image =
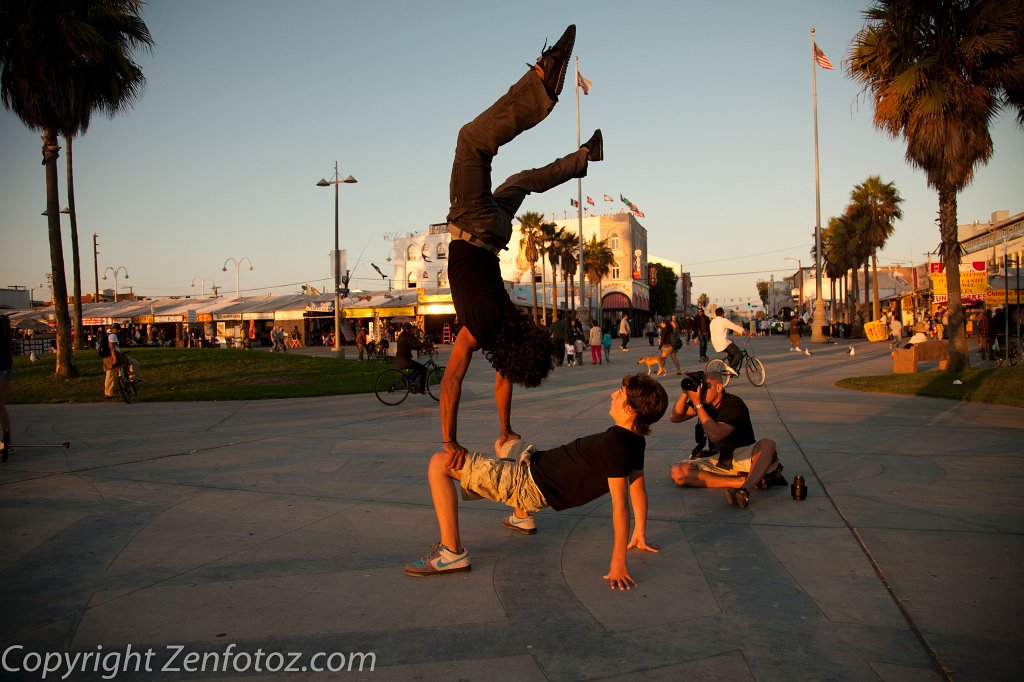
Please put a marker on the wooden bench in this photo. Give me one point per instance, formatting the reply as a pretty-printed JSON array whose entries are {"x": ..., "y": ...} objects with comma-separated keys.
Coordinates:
[{"x": 904, "y": 360}]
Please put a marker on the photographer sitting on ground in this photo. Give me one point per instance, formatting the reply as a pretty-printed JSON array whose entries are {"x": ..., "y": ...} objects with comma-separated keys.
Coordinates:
[{"x": 742, "y": 463}]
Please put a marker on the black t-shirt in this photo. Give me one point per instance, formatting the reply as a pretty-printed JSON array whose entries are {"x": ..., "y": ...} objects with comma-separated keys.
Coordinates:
[
  {"x": 407, "y": 343},
  {"x": 478, "y": 291},
  {"x": 733, "y": 411},
  {"x": 572, "y": 475}
]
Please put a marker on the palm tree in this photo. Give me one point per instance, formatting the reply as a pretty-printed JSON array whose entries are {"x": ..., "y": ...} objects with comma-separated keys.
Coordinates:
[
  {"x": 598, "y": 259},
  {"x": 938, "y": 72},
  {"x": 553, "y": 235},
  {"x": 530, "y": 241},
  {"x": 874, "y": 207},
  {"x": 837, "y": 248},
  {"x": 548, "y": 232},
  {"x": 60, "y": 63},
  {"x": 569, "y": 248}
]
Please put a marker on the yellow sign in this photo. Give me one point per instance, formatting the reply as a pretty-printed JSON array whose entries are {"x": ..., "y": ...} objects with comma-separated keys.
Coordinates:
[
  {"x": 971, "y": 282},
  {"x": 997, "y": 297}
]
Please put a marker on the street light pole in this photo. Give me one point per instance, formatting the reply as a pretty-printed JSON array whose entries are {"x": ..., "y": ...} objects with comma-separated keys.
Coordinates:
[
  {"x": 238, "y": 266},
  {"x": 115, "y": 271},
  {"x": 337, "y": 256}
]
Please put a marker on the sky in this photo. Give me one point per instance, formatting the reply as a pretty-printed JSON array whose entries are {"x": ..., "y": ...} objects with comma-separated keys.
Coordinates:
[{"x": 706, "y": 110}]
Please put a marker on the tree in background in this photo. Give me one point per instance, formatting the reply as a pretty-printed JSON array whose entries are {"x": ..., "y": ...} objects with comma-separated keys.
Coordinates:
[
  {"x": 530, "y": 243},
  {"x": 663, "y": 294},
  {"x": 598, "y": 259},
  {"x": 937, "y": 73},
  {"x": 839, "y": 255},
  {"x": 568, "y": 246},
  {"x": 762, "y": 292},
  {"x": 60, "y": 63},
  {"x": 874, "y": 208},
  {"x": 703, "y": 301}
]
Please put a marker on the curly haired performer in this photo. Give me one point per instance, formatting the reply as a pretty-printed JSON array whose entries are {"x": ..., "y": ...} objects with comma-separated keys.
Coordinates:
[{"x": 480, "y": 223}]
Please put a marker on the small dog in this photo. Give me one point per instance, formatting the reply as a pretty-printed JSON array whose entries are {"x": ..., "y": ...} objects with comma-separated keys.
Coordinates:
[{"x": 653, "y": 361}]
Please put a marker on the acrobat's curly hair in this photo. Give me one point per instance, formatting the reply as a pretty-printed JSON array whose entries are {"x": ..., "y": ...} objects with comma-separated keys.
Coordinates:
[{"x": 522, "y": 351}]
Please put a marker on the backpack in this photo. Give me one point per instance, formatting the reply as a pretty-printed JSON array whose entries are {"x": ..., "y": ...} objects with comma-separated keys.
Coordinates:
[{"x": 104, "y": 347}]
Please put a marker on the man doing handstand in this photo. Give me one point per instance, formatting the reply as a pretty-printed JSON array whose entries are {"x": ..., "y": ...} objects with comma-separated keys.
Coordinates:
[
  {"x": 480, "y": 222},
  {"x": 561, "y": 478}
]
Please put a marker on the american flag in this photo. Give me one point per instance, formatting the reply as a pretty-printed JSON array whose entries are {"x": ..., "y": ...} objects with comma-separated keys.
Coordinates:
[
  {"x": 583, "y": 83},
  {"x": 822, "y": 60}
]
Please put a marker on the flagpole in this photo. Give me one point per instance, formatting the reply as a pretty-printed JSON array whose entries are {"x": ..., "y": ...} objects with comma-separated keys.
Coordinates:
[
  {"x": 579, "y": 181},
  {"x": 818, "y": 320}
]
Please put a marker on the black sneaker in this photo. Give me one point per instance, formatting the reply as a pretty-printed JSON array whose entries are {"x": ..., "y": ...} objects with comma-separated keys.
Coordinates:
[
  {"x": 555, "y": 60},
  {"x": 595, "y": 146},
  {"x": 772, "y": 478}
]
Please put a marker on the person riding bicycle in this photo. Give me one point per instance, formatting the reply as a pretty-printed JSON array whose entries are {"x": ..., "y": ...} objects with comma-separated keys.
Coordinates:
[
  {"x": 720, "y": 328},
  {"x": 408, "y": 341},
  {"x": 113, "y": 360}
]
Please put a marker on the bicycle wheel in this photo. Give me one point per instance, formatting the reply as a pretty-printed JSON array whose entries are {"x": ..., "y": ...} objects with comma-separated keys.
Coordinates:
[
  {"x": 718, "y": 365},
  {"x": 755, "y": 371},
  {"x": 125, "y": 386},
  {"x": 391, "y": 387},
  {"x": 1013, "y": 351},
  {"x": 434, "y": 382}
]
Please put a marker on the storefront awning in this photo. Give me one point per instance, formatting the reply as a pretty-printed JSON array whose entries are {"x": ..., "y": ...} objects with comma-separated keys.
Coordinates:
[{"x": 615, "y": 301}]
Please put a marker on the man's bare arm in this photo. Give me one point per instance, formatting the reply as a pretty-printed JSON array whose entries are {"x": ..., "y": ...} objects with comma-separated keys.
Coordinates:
[
  {"x": 618, "y": 575},
  {"x": 451, "y": 392},
  {"x": 638, "y": 498},
  {"x": 503, "y": 399}
]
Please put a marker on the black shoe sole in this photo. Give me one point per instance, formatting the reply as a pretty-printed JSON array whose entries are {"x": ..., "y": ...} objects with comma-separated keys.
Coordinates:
[
  {"x": 595, "y": 146},
  {"x": 555, "y": 62}
]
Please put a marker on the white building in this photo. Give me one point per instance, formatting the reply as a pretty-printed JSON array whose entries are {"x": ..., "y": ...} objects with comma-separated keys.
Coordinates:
[{"x": 420, "y": 262}]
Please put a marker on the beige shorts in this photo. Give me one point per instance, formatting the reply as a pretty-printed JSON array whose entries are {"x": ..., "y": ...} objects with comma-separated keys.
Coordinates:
[
  {"x": 506, "y": 479},
  {"x": 740, "y": 463}
]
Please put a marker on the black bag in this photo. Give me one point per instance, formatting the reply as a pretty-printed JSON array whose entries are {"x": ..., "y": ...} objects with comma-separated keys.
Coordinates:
[
  {"x": 677, "y": 342},
  {"x": 104, "y": 349}
]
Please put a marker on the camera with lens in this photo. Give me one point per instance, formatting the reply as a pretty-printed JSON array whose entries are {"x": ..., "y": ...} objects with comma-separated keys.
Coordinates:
[{"x": 692, "y": 381}]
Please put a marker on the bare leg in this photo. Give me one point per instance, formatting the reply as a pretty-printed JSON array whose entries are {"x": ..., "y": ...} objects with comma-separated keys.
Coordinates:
[
  {"x": 762, "y": 455},
  {"x": 446, "y": 500}
]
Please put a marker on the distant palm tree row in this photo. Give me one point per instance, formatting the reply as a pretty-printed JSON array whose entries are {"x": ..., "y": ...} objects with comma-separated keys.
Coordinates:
[
  {"x": 854, "y": 238},
  {"x": 541, "y": 241},
  {"x": 61, "y": 62}
]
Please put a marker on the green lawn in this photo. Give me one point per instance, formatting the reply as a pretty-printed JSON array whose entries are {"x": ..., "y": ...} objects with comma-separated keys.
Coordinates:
[
  {"x": 197, "y": 374},
  {"x": 1001, "y": 386}
]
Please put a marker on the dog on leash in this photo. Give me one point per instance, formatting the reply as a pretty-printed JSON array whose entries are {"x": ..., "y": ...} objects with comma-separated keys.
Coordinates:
[{"x": 653, "y": 361}]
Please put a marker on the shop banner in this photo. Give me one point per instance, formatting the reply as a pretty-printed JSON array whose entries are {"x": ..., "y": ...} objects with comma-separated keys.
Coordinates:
[{"x": 973, "y": 281}]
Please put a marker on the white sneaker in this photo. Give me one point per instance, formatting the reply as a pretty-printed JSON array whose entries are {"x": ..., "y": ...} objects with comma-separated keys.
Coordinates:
[
  {"x": 731, "y": 371},
  {"x": 798, "y": 349},
  {"x": 439, "y": 560},
  {"x": 527, "y": 525}
]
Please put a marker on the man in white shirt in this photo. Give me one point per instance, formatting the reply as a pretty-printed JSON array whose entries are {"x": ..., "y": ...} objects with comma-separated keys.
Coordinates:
[{"x": 720, "y": 341}]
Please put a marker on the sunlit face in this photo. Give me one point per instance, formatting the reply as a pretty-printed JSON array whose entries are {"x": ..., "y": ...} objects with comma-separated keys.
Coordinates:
[
  {"x": 714, "y": 390},
  {"x": 619, "y": 409}
]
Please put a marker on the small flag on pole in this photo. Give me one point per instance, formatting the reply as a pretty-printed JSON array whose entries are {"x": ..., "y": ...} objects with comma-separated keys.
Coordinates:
[
  {"x": 583, "y": 83},
  {"x": 590, "y": 201},
  {"x": 574, "y": 203},
  {"x": 608, "y": 197},
  {"x": 821, "y": 59}
]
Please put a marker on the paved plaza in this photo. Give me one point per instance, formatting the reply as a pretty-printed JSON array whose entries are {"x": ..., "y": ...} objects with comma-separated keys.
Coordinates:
[{"x": 238, "y": 533}]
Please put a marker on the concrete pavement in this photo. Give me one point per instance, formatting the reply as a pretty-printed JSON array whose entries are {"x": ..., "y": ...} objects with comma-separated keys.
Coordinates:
[{"x": 245, "y": 532}]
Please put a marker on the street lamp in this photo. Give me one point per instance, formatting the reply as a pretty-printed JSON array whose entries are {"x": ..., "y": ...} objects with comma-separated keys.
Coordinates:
[
  {"x": 115, "y": 271},
  {"x": 799, "y": 265},
  {"x": 238, "y": 266},
  {"x": 337, "y": 256},
  {"x": 202, "y": 283}
]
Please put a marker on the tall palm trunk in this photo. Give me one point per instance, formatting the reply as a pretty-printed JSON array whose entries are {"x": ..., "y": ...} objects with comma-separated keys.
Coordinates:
[
  {"x": 554, "y": 291},
  {"x": 959, "y": 358},
  {"x": 543, "y": 293},
  {"x": 79, "y": 336},
  {"x": 867, "y": 289},
  {"x": 874, "y": 286},
  {"x": 533, "y": 283},
  {"x": 65, "y": 359},
  {"x": 855, "y": 299}
]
